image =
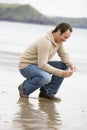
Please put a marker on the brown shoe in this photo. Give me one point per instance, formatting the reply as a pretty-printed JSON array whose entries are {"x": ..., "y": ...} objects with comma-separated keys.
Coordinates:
[
  {"x": 43, "y": 95},
  {"x": 21, "y": 91}
]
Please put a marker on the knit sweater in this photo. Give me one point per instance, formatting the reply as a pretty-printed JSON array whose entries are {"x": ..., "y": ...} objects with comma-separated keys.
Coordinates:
[{"x": 42, "y": 51}]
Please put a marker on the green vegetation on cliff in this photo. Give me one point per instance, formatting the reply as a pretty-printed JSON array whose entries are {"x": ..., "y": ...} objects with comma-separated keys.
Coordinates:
[
  {"x": 22, "y": 13},
  {"x": 28, "y": 14}
]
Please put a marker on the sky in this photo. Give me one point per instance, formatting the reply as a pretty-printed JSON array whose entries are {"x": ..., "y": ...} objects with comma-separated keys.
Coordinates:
[{"x": 64, "y": 8}]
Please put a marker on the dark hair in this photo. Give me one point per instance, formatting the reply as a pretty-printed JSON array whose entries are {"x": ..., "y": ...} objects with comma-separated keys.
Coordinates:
[{"x": 63, "y": 27}]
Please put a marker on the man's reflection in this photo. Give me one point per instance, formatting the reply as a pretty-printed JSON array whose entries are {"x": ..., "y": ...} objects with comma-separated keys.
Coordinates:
[
  {"x": 42, "y": 117},
  {"x": 53, "y": 117}
]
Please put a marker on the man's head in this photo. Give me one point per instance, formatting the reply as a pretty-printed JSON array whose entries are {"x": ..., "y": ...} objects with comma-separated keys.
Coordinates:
[
  {"x": 62, "y": 32},
  {"x": 62, "y": 27}
]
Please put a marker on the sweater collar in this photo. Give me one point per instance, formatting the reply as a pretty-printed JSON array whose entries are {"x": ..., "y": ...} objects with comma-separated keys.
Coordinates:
[{"x": 50, "y": 37}]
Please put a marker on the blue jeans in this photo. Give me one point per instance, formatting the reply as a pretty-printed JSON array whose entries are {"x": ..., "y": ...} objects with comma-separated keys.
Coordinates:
[{"x": 37, "y": 78}]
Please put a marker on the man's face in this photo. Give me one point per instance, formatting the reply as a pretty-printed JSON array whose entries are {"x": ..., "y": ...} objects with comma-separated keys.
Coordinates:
[{"x": 62, "y": 37}]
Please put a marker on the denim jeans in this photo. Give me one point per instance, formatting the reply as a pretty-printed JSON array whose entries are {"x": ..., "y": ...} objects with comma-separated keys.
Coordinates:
[{"x": 37, "y": 78}]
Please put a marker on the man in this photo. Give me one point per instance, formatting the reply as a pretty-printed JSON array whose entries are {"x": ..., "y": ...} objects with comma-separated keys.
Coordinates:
[{"x": 39, "y": 71}]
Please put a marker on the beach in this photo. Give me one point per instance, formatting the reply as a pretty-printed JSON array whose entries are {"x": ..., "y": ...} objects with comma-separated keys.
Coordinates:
[{"x": 35, "y": 113}]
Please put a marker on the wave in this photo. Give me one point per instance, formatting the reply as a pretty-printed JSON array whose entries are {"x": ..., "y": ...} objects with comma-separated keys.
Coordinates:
[{"x": 9, "y": 59}]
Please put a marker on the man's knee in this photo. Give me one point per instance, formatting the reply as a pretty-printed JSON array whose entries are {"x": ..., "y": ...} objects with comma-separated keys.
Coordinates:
[{"x": 45, "y": 79}]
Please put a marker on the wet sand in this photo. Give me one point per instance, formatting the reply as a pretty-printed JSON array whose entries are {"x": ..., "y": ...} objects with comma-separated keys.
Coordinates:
[
  {"x": 40, "y": 114},
  {"x": 35, "y": 113}
]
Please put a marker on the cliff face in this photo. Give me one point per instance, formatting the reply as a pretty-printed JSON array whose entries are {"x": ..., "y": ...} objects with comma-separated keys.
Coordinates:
[
  {"x": 22, "y": 13},
  {"x": 27, "y": 14},
  {"x": 75, "y": 22}
]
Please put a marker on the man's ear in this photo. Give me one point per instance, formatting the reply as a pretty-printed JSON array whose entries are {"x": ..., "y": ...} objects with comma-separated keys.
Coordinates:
[{"x": 59, "y": 31}]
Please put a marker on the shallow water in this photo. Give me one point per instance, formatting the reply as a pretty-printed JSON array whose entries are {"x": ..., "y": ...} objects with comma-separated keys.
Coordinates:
[
  {"x": 35, "y": 113},
  {"x": 42, "y": 114}
]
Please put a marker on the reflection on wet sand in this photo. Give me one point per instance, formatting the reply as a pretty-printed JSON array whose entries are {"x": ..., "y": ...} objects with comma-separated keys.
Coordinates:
[{"x": 44, "y": 117}]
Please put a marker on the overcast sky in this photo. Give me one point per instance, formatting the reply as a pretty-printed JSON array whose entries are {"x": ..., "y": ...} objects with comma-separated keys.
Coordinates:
[{"x": 65, "y": 8}]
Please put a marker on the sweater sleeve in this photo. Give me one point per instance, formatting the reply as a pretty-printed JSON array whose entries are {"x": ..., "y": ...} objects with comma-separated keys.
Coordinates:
[
  {"x": 43, "y": 51},
  {"x": 64, "y": 56}
]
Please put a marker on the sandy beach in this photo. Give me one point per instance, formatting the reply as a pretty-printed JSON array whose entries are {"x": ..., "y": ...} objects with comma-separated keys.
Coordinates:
[
  {"x": 35, "y": 113},
  {"x": 40, "y": 114}
]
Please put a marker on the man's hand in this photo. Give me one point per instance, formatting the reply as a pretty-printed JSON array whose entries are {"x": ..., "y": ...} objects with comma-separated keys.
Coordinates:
[
  {"x": 73, "y": 68},
  {"x": 68, "y": 73}
]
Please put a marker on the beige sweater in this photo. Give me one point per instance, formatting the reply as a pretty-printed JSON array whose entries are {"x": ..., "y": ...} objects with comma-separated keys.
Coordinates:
[{"x": 42, "y": 51}]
